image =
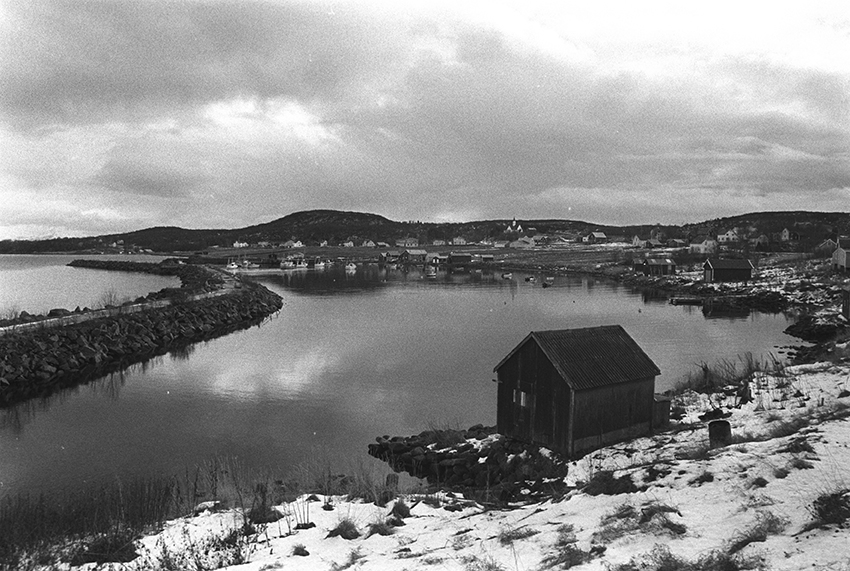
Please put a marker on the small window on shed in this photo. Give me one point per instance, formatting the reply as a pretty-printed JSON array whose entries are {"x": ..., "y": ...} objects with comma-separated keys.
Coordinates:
[{"x": 521, "y": 398}]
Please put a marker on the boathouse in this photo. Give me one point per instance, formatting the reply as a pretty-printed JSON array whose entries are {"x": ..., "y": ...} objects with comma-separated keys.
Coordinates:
[
  {"x": 658, "y": 267},
  {"x": 734, "y": 270},
  {"x": 575, "y": 390}
]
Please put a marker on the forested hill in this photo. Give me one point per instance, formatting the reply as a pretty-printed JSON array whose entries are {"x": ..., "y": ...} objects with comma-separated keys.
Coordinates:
[{"x": 335, "y": 226}]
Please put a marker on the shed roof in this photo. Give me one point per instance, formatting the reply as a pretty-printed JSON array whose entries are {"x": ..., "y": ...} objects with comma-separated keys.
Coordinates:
[
  {"x": 729, "y": 264},
  {"x": 592, "y": 357},
  {"x": 659, "y": 262}
]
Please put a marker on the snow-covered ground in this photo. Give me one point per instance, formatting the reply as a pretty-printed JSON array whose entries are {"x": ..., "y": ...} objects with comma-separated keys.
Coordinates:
[{"x": 753, "y": 497}]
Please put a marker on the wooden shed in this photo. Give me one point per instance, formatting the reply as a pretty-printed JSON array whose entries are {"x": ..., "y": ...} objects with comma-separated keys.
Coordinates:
[
  {"x": 575, "y": 390},
  {"x": 734, "y": 270},
  {"x": 658, "y": 267}
]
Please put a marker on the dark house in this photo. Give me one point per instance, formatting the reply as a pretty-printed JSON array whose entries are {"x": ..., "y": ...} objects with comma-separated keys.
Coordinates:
[
  {"x": 460, "y": 258},
  {"x": 658, "y": 267},
  {"x": 735, "y": 270},
  {"x": 413, "y": 257},
  {"x": 575, "y": 390}
]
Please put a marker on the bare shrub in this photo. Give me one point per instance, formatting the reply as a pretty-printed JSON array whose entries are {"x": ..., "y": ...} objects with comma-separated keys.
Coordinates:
[
  {"x": 767, "y": 523},
  {"x": 346, "y": 529},
  {"x": 651, "y": 518},
  {"x": 508, "y": 536},
  {"x": 661, "y": 559},
  {"x": 830, "y": 508},
  {"x": 565, "y": 552}
]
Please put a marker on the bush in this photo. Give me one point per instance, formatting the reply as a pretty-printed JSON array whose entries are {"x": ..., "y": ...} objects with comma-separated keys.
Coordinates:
[
  {"x": 831, "y": 508},
  {"x": 604, "y": 482},
  {"x": 704, "y": 477},
  {"x": 346, "y": 529}
]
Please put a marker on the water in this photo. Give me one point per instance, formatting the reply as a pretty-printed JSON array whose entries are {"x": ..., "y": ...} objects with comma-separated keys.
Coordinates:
[
  {"x": 351, "y": 356},
  {"x": 38, "y": 284}
]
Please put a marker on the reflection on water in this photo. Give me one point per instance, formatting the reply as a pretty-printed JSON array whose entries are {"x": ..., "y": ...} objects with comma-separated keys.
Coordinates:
[{"x": 351, "y": 356}]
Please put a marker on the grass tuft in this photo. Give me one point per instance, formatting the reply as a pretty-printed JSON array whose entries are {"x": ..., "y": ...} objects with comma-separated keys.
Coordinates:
[
  {"x": 346, "y": 529},
  {"x": 508, "y": 536},
  {"x": 767, "y": 523}
]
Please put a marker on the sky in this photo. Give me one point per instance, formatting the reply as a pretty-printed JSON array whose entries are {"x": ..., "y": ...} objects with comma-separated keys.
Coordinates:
[{"x": 122, "y": 115}]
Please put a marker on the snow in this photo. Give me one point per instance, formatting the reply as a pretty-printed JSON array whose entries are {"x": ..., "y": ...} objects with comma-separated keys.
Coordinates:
[{"x": 717, "y": 494}]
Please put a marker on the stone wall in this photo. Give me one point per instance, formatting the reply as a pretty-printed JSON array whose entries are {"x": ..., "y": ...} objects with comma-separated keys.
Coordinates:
[{"x": 39, "y": 361}]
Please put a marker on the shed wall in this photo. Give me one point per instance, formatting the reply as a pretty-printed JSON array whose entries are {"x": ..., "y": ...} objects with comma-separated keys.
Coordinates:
[
  {"x": 543, "y": 419},
  {"x": 612, "y": 413}
]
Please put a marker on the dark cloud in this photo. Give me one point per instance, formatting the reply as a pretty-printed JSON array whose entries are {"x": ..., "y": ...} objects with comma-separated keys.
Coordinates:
[
  {"x": 86, "y": 61},
  {"x": 246, "y": 109}
]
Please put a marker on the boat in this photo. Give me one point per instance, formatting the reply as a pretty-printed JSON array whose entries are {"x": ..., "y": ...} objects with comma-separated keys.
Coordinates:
[
  {"x": 686, "y": 300},
  {"x": 319, "y": 264},
  {"x": 301, "y": 264},
  {"x": 550, "y": 279},
  {"x": 231, "y": 266},
  {"x": 350, "y": 266},
  {"x": 287, "y": 265},
  {"x": 531, "y": 279},
  {"x": 247, "y": 265},
  {"x": 507, "y": 275},
  {"x": 431, "y": 272}
]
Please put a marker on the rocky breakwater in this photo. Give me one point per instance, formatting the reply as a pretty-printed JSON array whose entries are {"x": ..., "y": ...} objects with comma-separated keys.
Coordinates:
[
  {"x": 39, "y": 361},
  {"x": 476, "y": 458}
]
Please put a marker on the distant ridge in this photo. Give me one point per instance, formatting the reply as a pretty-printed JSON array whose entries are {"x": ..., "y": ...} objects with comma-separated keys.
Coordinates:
[{"x": 337, "y": 226}]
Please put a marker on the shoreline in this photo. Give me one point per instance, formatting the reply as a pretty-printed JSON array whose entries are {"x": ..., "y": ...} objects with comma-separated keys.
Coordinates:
[{"x": 38, "y": 359}]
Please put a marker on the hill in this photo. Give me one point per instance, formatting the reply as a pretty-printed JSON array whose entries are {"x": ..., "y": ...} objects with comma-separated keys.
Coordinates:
[{"x": 335, "y": 226}]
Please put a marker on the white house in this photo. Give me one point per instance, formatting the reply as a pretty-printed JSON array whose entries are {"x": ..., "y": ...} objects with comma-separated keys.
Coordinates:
[
  {"x": 368, "y": 244},
  {"x": 704, "y": 246},
  {"x": 729, "y": 236},
  {"x": 238, "y": 244},
  {"x": 839, "y": 259},
  {"x": 459, "y": 241}
]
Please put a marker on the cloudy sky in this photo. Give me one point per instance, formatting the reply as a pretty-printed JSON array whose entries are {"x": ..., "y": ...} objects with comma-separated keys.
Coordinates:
[{"x": 120, "y": 115}]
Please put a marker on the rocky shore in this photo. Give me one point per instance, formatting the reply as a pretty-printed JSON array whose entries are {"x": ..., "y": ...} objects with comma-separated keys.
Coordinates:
[
  {"x": 39, "y": 361},
  {"x": 477, "y": 458}
]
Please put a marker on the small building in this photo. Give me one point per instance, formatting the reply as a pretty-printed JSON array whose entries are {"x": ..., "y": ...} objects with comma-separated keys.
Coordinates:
[
  {"x": 727, "y": 237},
  {"x": 727, "y": 270},
  {"x": 788, "y": 235},
  {"x": 638, "y": 242},
  {"x": 459, "y": 258},
  {"x": 575, "y": 390},
  {"x": 487, "y": 258},
  {"x": 413, "y": 256},
  {"x": 367, "y": 244},
  {"x": 595, "y": 238},
  {"x": 438, "y": 243},
  {"x": 658, "y": 267},
  {"x": 703, "y": 245},
  {"x": 522, "y": 243},
  {"x": 407, "y": 242},
  {"x": 458, "y": 241},
  {"x": 839, "y": 259},
  {"x": 514, "y": 227},
  {"x": 827, "y": 247},
  {"x": 389, "y": 257}
]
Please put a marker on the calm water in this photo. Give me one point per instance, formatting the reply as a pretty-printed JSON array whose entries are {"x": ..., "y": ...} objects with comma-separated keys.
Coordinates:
[
  {"x": 349, "y": 357},
  {"x": 38, "y": 284}
]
